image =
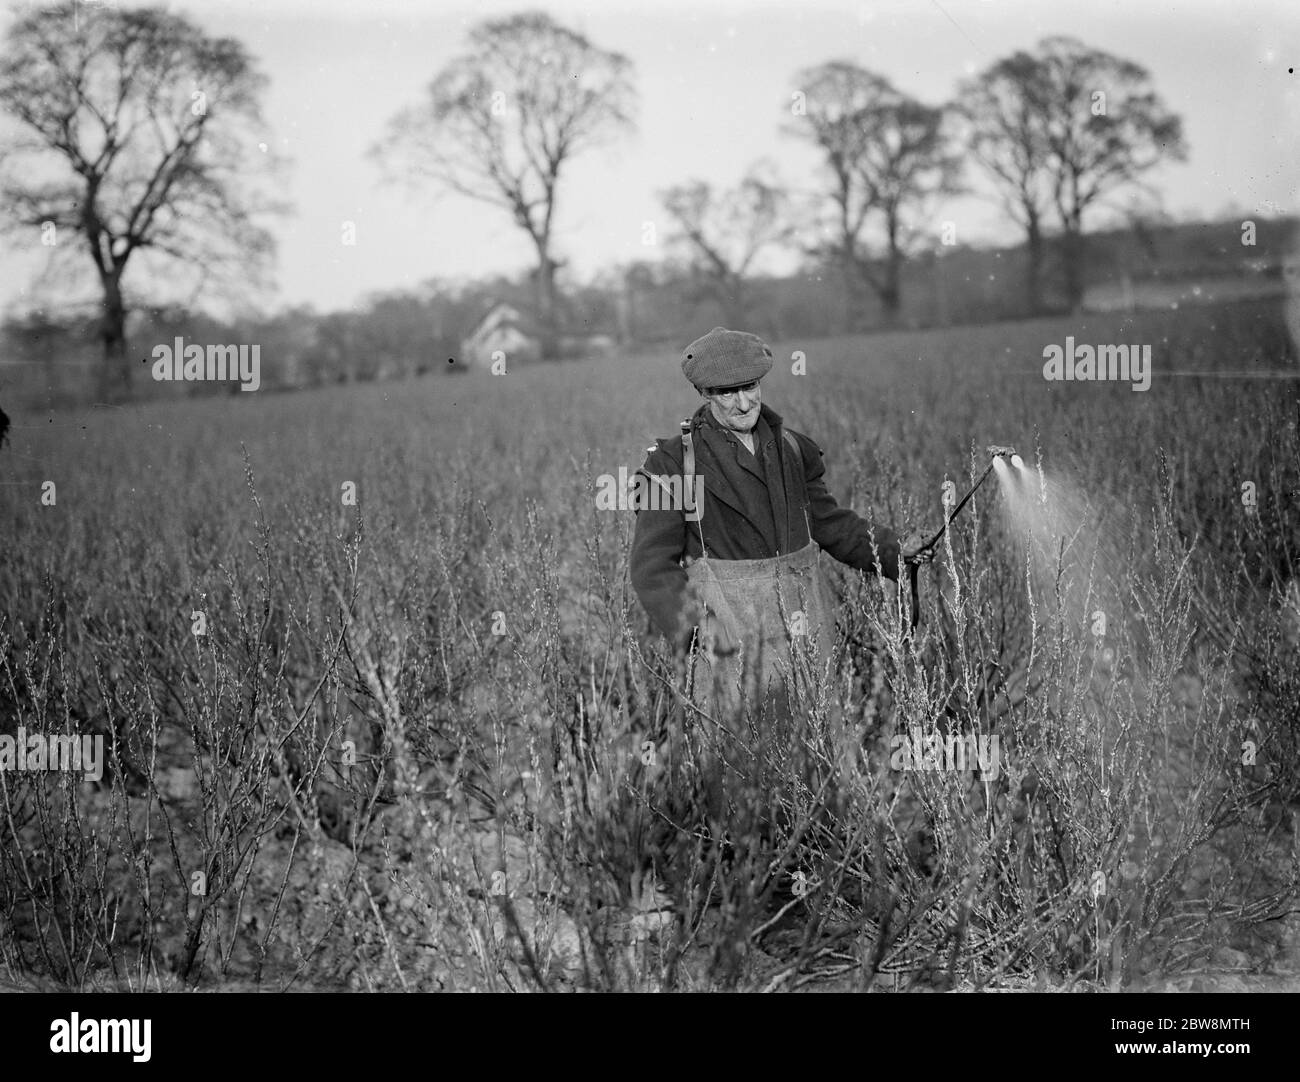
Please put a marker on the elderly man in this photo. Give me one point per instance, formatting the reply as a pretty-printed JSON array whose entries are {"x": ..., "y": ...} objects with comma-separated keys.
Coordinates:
[{"x": 738, "y": 573}]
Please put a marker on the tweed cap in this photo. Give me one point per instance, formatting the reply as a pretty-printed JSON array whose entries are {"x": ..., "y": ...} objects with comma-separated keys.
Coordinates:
[{"x": 724, "y": 358}]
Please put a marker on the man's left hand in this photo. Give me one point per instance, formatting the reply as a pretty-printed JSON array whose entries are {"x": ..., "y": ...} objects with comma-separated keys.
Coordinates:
[{"x": 910, "y": 548}]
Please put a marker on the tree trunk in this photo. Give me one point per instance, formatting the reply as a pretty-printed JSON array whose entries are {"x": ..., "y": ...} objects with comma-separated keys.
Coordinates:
[
  {"x": 1072, "y": 250},
  {"x": 859, "y": 282},
  {"x": 1034, "y": 271},
  {"x": 735, "y": 303},
  {"x": 544, "y": 292},
  {"x": 852, "y": 283},
  {"x": 115, "y": 372},
  {"x": 891, "y": 289},
  {"x": 854, "y": 275},
  {"x": 941, "y": 315}
]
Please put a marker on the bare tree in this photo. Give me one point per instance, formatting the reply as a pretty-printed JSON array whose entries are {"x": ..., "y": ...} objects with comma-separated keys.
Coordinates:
[
  {"x": 725, "y": 232},
  {"x": 906, "y": 164},
  {"x": 829, "y": 101},
  {"x": 502, "y": 121},
  {"x": 886, "y": 154},
  {"x": 1104, "y": 128},
  {"x": 1004, "y": 126},
  {"x": 135, "y": 133}
]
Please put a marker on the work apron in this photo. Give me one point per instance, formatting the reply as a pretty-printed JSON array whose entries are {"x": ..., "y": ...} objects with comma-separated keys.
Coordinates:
[
  {"x": 765, "y": 625},
  {"x": 765, "y": 634}
]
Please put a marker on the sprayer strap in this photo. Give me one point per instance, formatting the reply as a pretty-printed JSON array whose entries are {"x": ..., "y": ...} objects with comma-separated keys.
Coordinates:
[
  {"x": 688, "y": 471},
  {"x": 798, "y": 457},
  {"x": 794, "y": 445}
]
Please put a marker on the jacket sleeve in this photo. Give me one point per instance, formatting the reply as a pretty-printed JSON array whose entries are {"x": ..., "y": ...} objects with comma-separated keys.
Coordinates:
[
  {"x": 658, "y": 545},
  {"x": 846, "y": 535}
]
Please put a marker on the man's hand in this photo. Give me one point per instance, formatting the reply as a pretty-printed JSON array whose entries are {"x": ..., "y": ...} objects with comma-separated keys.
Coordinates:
[{"x": 910, "y": 548}]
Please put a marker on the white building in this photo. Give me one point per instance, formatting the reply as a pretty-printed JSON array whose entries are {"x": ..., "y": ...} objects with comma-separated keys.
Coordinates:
[{"x": 505, "y": 331}]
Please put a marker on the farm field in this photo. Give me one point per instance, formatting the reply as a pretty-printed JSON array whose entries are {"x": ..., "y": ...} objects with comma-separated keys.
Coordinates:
[{"x": 381, "y": 710}]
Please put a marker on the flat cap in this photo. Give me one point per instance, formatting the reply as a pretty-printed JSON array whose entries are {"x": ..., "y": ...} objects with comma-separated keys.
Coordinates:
[{"x": 724, "y": 358}]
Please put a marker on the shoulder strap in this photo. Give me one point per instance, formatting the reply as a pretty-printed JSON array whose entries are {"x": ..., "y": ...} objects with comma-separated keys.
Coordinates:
[
  {"x": 798, "y": 457},
  {"x": 794, "y": 444},
  {"x": 693, "y": 514}
]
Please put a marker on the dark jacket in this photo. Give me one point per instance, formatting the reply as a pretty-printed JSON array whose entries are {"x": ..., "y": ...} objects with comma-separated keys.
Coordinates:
[{"x": 754, "y": 508}]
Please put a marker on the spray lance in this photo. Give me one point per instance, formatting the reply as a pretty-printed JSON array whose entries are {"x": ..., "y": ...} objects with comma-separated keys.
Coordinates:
[{"x": 995, "y": 451}]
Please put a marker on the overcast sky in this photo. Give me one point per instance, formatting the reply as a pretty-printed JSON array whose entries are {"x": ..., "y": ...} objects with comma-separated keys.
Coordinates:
[{"x": 714, "y": 81}]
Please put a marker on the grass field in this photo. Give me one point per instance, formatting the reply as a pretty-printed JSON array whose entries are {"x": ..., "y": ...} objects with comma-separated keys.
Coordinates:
[{"x": 425, "y": 739}]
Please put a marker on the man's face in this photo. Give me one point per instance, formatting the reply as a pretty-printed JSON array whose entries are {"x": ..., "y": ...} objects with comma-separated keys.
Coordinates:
[{"x": 736, "y": 408}]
